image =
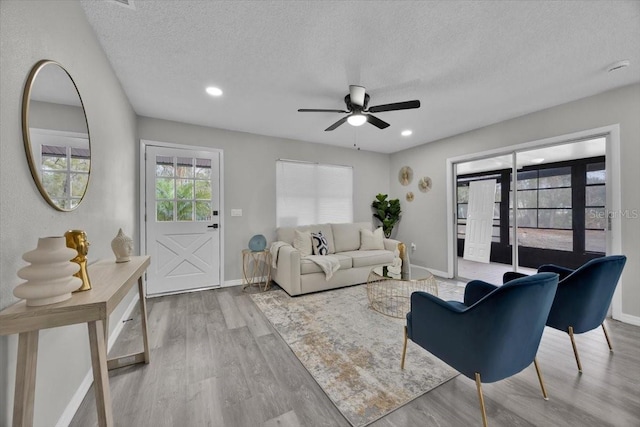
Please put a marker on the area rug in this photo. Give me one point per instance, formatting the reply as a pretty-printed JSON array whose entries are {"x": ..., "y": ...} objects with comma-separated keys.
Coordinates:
[{"x": 352, "y": 351}]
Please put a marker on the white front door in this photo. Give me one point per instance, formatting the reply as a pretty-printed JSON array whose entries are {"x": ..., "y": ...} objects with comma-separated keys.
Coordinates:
[
  {"x": 477, "y": 242},
  {"x": 182, "y": 198}
]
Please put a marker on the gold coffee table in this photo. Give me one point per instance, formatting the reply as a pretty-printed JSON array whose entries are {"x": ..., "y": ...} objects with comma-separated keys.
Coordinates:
[{"x": 390, "y": 293}]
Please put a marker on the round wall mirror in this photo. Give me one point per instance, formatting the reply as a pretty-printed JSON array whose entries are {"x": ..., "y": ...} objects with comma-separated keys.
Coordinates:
[{"x": 56, "y": 135}]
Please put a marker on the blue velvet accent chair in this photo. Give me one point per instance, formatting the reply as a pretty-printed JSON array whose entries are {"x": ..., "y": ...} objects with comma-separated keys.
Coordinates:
[
  {"x": 492, "y": 335},
  {"x": 583, "y": 297}
]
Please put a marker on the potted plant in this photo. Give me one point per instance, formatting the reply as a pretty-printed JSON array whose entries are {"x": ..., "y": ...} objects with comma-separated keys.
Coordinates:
[{"x": 387, "y": 212}]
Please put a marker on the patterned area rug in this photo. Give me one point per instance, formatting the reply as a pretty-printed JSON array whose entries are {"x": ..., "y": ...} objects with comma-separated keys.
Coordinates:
[{"x": 353, "y": 352}]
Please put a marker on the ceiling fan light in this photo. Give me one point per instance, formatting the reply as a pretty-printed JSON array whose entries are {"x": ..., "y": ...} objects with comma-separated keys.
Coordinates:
[
  {"x": 356, "y": 119},
  {"x": 214, "y": 91}
]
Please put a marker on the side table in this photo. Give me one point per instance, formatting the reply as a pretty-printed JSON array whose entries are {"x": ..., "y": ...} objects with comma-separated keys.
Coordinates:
[
  {"x": 256, "y": 269},
  {"x": 390, "y": 293}
]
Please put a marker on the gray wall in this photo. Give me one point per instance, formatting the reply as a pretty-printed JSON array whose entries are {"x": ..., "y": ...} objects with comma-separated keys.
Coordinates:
[
  {"x": 424, "y": 220},
  {"x": 30, "y": 31},
  {"x": 250, "y": 177}
]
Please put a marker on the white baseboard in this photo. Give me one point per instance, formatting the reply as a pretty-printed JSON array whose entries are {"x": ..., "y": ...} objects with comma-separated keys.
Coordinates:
[
  {"x": 630, "y": 319},
  {"x": 78, "y": 396},
  {"x": 438, "y": 273},
  {"x": 235, "y": 282}
]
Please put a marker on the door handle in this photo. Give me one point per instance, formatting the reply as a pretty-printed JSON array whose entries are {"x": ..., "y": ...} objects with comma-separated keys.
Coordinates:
[{"x": 212, "y": 226}]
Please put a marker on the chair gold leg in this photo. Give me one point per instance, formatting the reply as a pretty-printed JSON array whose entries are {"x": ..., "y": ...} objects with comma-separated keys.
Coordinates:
[
  {"x": 606, "y": 335},
  {"x": 404, "y": 348},
  {"x": 544, "y": 390},
  {"x": 484, "y": 413},
  {"x": 575, "y": 349}
]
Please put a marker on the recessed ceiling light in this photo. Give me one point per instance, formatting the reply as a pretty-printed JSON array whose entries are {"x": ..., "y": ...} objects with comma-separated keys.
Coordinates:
[
  {"x": 538, "y": 160},
  {"x": 618, "y": 65},
  {"x": 214, "y": 91},
  {"x": 406, "y": 132}
]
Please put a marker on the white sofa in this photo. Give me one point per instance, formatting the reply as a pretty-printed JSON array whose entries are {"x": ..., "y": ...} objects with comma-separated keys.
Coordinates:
[{"x": 297, "y": 275}]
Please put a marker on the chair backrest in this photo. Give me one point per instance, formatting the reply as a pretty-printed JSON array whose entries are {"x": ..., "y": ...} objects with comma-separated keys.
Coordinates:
[
  {"x": 498, "y": 336},
  {"x": 583, "y": 297}
]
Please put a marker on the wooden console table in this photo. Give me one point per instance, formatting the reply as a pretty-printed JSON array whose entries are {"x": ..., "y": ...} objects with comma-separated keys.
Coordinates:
[{"x": 110, "y": 283}]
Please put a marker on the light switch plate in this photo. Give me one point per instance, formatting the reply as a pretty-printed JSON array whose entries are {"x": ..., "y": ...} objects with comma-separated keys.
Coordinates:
[{"x": 236, "y": 212}]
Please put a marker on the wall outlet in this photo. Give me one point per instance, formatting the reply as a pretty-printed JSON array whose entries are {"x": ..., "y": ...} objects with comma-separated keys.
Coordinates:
[
  {"x": 413, "y": 247},
  {"x": 236, "y": 212}
]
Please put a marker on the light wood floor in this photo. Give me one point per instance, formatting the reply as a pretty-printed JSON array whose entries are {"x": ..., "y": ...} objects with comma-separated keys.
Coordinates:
[{"x": 216, "y": 361}]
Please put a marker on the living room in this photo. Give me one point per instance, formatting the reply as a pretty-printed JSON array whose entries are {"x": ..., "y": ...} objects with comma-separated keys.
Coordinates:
[{"x": 60, "y": 30}]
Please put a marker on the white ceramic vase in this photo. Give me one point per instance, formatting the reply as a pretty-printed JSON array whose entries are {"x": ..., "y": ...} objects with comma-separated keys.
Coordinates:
[
  {"x": 122, "y": 246},
  {"x": 50, "y": 276}
]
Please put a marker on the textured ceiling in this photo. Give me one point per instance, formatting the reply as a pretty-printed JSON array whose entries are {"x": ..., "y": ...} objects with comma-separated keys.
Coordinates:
[{"x": 470, "y": 64}]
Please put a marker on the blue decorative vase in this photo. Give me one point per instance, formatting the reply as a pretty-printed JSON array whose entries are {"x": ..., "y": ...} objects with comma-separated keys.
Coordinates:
[{"x": 258, "y": 243}]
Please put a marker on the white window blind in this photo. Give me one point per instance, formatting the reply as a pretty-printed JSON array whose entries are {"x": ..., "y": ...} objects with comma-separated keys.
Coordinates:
[{"x": 311, "y": 193}]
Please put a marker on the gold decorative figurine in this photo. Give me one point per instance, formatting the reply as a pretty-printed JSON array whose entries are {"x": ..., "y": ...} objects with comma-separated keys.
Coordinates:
[{"x": 77, "y": 239}]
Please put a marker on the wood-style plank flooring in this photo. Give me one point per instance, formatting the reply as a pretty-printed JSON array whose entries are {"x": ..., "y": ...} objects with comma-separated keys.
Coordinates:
[{"x": 216, "y": 361}]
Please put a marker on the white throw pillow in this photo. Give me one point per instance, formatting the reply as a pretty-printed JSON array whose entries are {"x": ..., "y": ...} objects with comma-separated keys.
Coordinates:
[
  {"x": 302, "y": 242},
  {"x": 371, "y": 240}
]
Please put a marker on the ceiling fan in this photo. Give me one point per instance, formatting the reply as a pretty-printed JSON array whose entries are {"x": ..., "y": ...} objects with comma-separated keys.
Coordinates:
[{"x": 358, "y": 104}]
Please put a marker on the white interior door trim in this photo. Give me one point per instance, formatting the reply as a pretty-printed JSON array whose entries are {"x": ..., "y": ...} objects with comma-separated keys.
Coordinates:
[
  {"x": 614, "y": 194},
  {"x": 142, "y": 193}
]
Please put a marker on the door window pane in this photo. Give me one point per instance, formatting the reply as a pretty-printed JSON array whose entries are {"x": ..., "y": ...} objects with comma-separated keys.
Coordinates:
[
  {"x": 184, "y": 189},
  {"x": 203, "y": 169},
  {"x": 203, "y": 211},
  {"x": 184, "y": 167},
  {"x": 185, "y": 211},
  {"x": 164, "y": 166},
  {"x": 203, "y": 190},
  {"x": 164, "y": 188},
  {"x": 164, "y": 210}
]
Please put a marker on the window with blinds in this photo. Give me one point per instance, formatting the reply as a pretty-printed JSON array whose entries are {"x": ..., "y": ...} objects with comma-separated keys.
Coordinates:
[{"x": 311, "y": 193}]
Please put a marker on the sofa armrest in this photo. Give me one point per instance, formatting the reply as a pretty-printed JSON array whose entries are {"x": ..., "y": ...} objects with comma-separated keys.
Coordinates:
[
  {"x": 287, "y": 271},
  {"x": 390, "y": 244}
]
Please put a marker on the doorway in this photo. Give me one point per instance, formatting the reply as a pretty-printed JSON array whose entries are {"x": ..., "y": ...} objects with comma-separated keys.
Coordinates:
[
  {"x": 182, "y": 217},
  {"x": 564, "y": 188}
]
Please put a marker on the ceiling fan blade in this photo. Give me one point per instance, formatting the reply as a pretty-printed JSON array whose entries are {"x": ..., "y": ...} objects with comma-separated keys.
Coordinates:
[
  {"x": 380, "y": 124},
  {"x": 357, "y": 95},
  {"x": 407, "y": 105},
  {"x": 336, "y": 124},
  {"x": 315, "y": 110}
]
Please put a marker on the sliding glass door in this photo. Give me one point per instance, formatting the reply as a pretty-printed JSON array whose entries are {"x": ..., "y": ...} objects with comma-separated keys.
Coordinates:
[{"x": 552, "y": 212}]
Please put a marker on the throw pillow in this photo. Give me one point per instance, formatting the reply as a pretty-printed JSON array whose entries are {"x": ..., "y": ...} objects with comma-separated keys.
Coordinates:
[
  {"x": 320, "y": 245},
  {"x": 371, "y": 240},
  {"x": 302, "y": 242}
]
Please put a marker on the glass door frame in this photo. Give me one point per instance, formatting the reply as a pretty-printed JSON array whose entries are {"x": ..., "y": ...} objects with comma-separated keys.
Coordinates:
[{"x": 613, "y": 202}]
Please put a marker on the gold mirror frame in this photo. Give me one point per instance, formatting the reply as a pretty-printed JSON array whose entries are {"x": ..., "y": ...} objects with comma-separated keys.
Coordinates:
[{"x": 34, "y": 167}]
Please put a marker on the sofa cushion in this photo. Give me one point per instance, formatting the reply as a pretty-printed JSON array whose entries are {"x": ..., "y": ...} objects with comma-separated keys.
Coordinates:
[
  {"x": 369, "y": 258},
  {"x": 371, "y": 240},
  {"x": 346, "y": 237},
  {"x": 287, "y": 234},
  {"x": 302, "y": 242},
  {"x": 308, "y": 266}
]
